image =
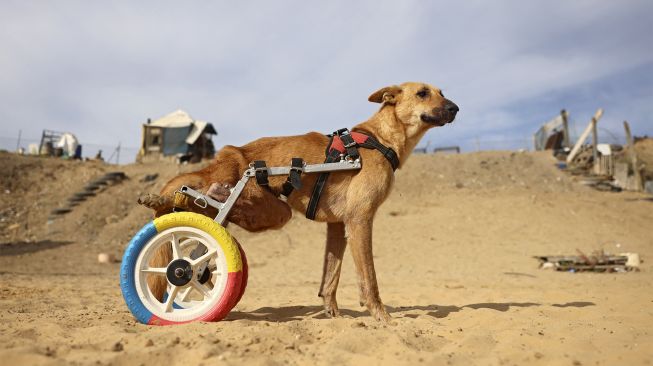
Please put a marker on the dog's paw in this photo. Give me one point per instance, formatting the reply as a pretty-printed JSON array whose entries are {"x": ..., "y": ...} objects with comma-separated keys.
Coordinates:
[
  {"x": 151, "y": 200},
  {"x": 380, "y": 314},
  {"x": 332, "y": 313},
  {"x": 219, "y": 192},
  {"x": 331, "y": 309}
]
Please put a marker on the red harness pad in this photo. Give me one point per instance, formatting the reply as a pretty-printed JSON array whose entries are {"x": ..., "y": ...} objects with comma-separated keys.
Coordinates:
[{"x": 337, "y": 144}]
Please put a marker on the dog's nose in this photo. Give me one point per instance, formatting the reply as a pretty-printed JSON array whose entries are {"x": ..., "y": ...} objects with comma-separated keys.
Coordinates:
[{"x": 451, "y": 107}]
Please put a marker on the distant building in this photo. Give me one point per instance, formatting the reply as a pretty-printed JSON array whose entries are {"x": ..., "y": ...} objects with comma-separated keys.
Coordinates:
[{"x": 177, "y": 136}]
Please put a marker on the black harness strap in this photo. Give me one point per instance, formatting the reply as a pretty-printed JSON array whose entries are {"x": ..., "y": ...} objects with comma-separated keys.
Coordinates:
[
  {"x": 387, "y": 152},
  {"x": 261, "y": 173},
  {"x": 294, "y": 180},
  {"x": 311, "y": 209}
]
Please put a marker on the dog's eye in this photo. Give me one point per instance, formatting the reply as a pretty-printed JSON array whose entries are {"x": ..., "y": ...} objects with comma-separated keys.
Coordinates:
[{"x": 423, "y": 93}]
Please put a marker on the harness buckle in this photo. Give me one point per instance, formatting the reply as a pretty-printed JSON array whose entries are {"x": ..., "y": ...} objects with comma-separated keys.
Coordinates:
[
  {"x": 201, "y": 202},
  {"x": 349, "y": 144}
]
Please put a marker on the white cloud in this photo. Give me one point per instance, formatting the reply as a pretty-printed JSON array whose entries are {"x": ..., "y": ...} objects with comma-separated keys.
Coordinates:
[{"x": 271, "y": 68}]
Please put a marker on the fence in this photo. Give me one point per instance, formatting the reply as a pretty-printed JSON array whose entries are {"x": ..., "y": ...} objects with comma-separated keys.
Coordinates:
[
  {"x": 115, "y": 153},
  {"x": 477, "y": 144}
]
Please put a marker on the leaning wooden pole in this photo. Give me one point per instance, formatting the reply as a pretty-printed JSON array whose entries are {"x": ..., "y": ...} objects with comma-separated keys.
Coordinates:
[
  {"x": 639, "y": 184},
  {"x": 584, "y": 135}
]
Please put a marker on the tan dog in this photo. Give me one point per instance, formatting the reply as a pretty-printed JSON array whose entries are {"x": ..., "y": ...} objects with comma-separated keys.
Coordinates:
[{"x": 348, "y": 202}]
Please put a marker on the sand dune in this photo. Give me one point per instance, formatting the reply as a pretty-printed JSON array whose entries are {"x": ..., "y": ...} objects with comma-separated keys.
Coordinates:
[{"x": 453, "y": 249}]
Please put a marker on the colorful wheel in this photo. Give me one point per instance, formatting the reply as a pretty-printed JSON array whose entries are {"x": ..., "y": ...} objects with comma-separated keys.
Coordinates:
[
  {"x": 204, "y": 277},
  {"x": 243, "y": 282}
]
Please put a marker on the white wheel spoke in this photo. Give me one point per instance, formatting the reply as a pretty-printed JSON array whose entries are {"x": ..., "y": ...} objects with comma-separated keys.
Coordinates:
[
  {"x": 216, "y": 273},
  {"x": 203, "y": 258},
  {"x": 187, "y": 242},
  {"x": 155, "y": 270},
  {"x": 184, "y": 294},
  {"x": 200, "y": 288},
  {"x": 171, "y": 299},
  {"x": 176, "y": 248}
]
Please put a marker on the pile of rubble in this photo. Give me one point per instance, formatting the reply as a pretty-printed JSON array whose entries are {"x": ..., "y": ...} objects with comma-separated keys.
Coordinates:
[{"x": 606, "y": 167}]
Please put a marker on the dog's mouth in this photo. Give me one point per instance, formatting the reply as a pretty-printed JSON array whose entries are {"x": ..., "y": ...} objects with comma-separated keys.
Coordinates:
[{"x": 441, "y": 118}]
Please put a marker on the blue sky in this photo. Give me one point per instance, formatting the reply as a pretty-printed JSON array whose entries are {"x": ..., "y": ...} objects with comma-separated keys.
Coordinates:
[{"x": 100, "y": 69}]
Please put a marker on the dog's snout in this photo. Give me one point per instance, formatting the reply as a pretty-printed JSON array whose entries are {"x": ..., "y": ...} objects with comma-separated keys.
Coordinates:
[{"x": 451, "y": 107}]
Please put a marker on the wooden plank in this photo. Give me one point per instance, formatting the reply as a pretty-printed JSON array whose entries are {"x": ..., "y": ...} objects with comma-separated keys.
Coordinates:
[
  {"x": 639, "y": 184},
  {"x": 584, "y": 135},
  {"x": 595, "y": 151}
]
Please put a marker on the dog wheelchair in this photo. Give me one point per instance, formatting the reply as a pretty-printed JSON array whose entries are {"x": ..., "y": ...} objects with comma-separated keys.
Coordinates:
[{"x": 207, "y": 275}]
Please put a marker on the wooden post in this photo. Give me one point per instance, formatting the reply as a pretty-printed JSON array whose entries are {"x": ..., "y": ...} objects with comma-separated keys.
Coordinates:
[
  {"x": 20, "y": 132},
  {"x": 584, "y": 135},
  {"x": 639, "y": 186},
  {"x": 565, "y": 127},
  {"x": 595, "y": 150}
]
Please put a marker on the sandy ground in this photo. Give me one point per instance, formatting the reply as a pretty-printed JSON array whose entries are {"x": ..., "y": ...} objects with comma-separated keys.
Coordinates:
[{"x": 453, "y": 249}]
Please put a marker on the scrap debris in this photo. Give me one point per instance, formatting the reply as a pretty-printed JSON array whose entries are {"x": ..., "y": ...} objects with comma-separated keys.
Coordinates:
[{"x": 598, "y": 261}]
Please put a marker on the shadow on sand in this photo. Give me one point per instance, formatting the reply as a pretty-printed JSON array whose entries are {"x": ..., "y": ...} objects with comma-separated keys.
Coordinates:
[
  {"x": 299, "y": 312},
  {"x": 18, "y": 248}
]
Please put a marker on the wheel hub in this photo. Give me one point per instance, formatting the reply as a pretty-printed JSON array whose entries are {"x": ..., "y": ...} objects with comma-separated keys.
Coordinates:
[{"x": 179, "y": 272}]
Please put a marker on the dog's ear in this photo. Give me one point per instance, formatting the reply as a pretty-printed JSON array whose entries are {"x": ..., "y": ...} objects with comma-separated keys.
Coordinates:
[{"x": 385, "y": 95}]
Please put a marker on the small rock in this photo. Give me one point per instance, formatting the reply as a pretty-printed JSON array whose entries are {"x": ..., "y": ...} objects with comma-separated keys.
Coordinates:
[
  {"x": 111, "y": 219},
  {"x": 118, "y": 347},
  {"x": 49, "y": 352},
  {"x": 149, "y": 343},
  {"x": 149, "y": 178},
  {"x": 106, "y": 258}
]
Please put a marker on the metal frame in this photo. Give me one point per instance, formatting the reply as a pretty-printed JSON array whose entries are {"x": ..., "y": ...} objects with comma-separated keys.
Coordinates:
[{"x": 225, "y": 207}]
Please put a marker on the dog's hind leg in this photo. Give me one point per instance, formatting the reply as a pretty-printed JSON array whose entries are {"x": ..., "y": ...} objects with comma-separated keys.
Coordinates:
[
  {"x": 258, "y": 209},
  {"x": 335, "y": 249},
  {"x": 161, "y": 258}
]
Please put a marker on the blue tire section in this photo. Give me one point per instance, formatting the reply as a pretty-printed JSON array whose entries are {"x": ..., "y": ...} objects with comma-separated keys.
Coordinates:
[{"x": 128, "y": 270}]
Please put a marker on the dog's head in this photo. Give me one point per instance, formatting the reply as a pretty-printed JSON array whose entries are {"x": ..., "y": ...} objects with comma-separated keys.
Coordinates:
[{"x": 417, "y": 105}]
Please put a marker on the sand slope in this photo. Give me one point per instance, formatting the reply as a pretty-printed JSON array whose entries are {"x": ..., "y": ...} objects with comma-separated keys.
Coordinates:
[{"x": 453, "y": 247}]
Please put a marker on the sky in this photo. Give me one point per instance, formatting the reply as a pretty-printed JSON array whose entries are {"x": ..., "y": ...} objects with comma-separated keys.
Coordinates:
[{"x": 269, "y": 68}]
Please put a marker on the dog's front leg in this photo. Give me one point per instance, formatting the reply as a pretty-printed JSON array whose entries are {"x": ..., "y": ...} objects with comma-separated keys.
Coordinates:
[
  {"x": 335, "y": 249},
  {"x": 359, "y": 237}
]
